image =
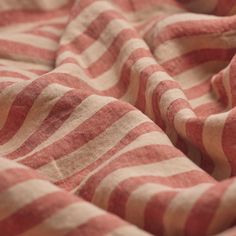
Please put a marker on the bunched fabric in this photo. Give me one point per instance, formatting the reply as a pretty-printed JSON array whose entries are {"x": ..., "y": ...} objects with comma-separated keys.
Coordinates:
[{"x": 117, "y": 117}]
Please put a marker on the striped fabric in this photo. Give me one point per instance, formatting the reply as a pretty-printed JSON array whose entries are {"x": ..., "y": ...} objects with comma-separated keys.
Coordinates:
[{"x": 117, "y": 117}]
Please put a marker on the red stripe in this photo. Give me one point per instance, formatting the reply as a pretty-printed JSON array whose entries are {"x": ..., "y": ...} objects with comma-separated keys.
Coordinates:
[
  {"x": 35, "y": 212},
  {"x": 75, "y": 179},
  {"x": 228, "y": 139},
  {"x": 143, "y": 155},
  {"x": 155, "y": 210},
  {"x": 24, "y": 16},
  {"x": 159, "y": 90},
  {"x": 204, "y": 209},
  {"x": 8, "y": 48},
  {"x": 224, "y": 7},
  {"x": 45, "y": 34},
  {"x": 25, "y": 99},
  {"x": 84, "y": 133},
  {"x": 194, "y": 129},
  {"x": 189, "y": 60},
  {"x": 106, "y": 61},
  {"x": 120, "y": 195},
  {"x": 209, "y": 109},
  {"x": 4, "y": 85},
  {"x": 98, "y": 226},
  {"x": 91, "y": 34},
  {"x": 143, "y": 79},
  {"x": 13, "y": 176},
  {"x": 55, "y": 119},
  {"x": 7, "y": 73},
  {"x": 193, "y": 28},
  {"x": 198, "y": 90}
]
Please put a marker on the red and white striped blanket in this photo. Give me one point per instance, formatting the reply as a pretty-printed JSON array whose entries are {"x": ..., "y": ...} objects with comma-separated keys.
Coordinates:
[{"x": 117, "y": 117}]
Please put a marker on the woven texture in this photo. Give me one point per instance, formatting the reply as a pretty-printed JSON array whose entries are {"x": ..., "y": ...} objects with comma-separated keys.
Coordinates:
[{"x": 117, "y": 117}]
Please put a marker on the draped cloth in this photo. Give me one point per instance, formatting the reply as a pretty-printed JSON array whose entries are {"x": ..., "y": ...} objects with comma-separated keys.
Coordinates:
[{"x": 117, "y": 117}]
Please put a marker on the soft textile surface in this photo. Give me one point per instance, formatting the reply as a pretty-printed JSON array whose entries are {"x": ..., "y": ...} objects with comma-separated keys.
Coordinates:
[{"x": 117, "y": 117}]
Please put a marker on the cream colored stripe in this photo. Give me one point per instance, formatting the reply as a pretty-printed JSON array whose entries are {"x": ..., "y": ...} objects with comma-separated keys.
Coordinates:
[
  {"x": 15, "y": 69},
  {"x": 7, "y": 97},
  {"x": 198, "y": 74},
  {"x": 168, "y": 97},
  {"x": 138, "y": 199},
  {"x": 39, "y": 111},
  {"x": 152, "y": 83},
  {"x": 110, "y": 77},
  {"x": 212, "y": 141},
  {"x": 6, "y": 164},
  {"x": 101, "y": 45},
  {"x": 126, "y": 49},
  {"x": 84, "y": 19},
  {"x": 164, "y": 169},
  {"x": 22, "y": 27},
  {"x": 65, "y": 220},
  {"x": 204, "y": 99},
  {"x": 187, "y": 44},
  {"x": 6, "y": 5},
  {"x": 142, "y": 15},
  {"x": 182, "y": 17},
  {"x": 180, "y": 207},
  {"x": 22, "y": 194},
  {"x": 140, "y": 65},
  {"x": 30, "y": 40},
  {"x": 51, "y": 29},
  {"x": 154, "y": 137},
  {"x": 22, "y": 67},
  {"x": 9, "y": 79},
  {"x": 95, "y": 148},
  {"x": 180, "y": 119},
  {"x": 78, "y": 72},
  {"x": 225, "y": 214},
  {"x": 82, "y": 112}
]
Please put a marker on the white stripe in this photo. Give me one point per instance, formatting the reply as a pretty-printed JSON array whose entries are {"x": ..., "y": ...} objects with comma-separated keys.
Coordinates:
[
  {"x": 140, "y": 65},
  {"x": 168, "y": 97},
  {"x": 163, "y": 168},
  {"x": 65, "y": 220},
  {"x": 35, "y": 117},
  {"x": 225, "y": 214},
  {"x": 193, "y": 43},
  {"x": 30, "y": 40},
  {"x": 180, "y": 207},
  {"x": 94, "y": 149},
  {"x": 152, "y": 83},
  {"x": 84, "y": 19},
  {"x": 7, "y": 97},
  {"x": 212, "y": 141},
  {"x": 22, "y": 194},
  {"x": 154, "y": 137},
  {"x": 105, "y": 40},
  {"x": 183, "y": 17},
  {"x": 6, "y": 164},
  {"x": 82, "y": 112},
  {"x": 138, "y": 199}
]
